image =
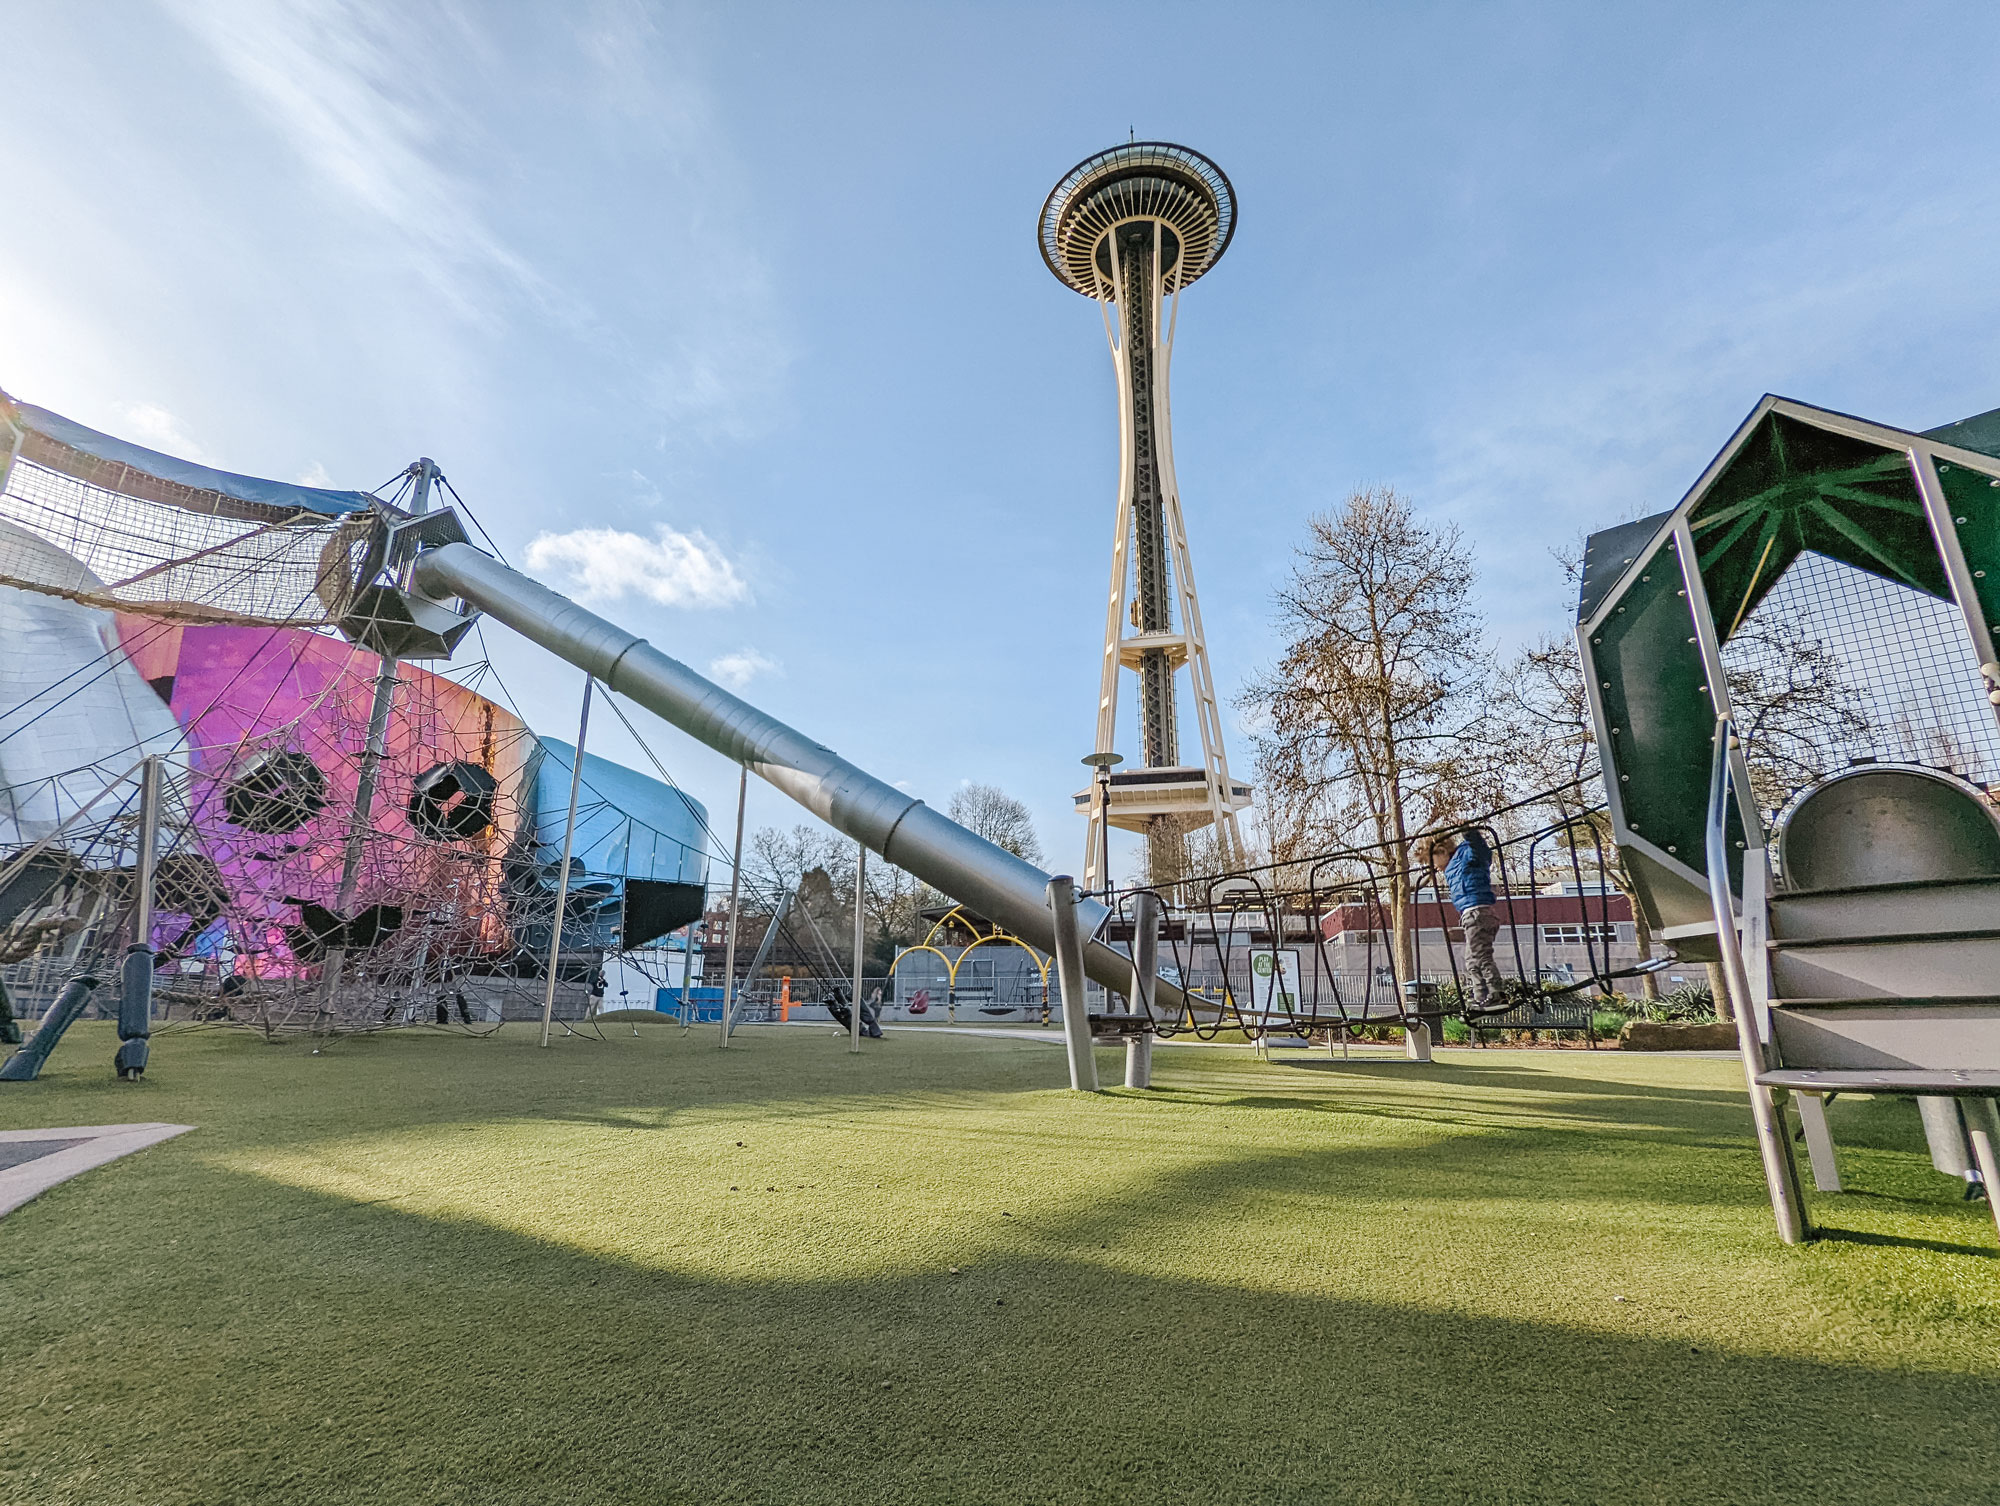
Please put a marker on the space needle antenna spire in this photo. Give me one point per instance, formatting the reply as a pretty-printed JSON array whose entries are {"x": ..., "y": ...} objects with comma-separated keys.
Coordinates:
[{"x": 1130, "y": 228}]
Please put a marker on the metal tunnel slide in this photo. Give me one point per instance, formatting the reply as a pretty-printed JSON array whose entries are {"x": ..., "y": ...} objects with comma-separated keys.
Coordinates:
[{"x": 888, "y": 822}]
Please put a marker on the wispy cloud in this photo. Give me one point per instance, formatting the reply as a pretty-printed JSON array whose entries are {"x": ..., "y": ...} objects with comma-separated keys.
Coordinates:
[
  {"x": 673, "y": 568},
  {"x": 1588, "y": 432},
  {"x": 157, "y": 428},
  {"x": 470, "y": 195},
  {"x": 335, "y": 77},
  {"x": 740, "y": 668}
]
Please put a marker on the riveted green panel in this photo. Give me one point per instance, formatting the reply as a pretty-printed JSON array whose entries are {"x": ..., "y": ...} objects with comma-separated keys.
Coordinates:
[
  {"x": 1975, "y": 514},
  {"x": 1658, "y": 718},
  {"x": 1793, "y": 487}
]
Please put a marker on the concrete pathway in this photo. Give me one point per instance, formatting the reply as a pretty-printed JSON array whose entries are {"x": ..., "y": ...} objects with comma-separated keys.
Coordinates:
[{"x": 33, "y": 1161}]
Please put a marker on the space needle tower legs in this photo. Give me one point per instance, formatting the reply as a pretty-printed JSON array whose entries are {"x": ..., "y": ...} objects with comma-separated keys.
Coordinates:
[{"x": 1131, "y": 227}]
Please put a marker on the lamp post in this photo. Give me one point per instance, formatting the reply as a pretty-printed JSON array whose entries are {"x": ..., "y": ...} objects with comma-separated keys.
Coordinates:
[{"x": 1102, "y": 764}]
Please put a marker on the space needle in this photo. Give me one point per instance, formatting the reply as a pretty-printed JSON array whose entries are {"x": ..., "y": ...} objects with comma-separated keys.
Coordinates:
[{"x": 1131, "y": 227}]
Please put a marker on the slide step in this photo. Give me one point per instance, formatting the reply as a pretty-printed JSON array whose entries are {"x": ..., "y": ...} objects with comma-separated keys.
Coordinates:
[
  {"x": 1930, "y": 1001},
  {"x": 1914, "y": 886},
  {"x": 1954, "y": 908},
  {"x": 1964, "y": 1083},
  {"x": 1886, "y": 938}
]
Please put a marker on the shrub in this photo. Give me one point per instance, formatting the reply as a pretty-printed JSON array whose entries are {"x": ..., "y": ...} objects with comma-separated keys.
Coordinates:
[{"x": 1690, "y": 1004}]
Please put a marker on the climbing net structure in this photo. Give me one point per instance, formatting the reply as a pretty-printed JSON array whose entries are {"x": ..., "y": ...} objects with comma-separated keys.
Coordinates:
[{"x": 345, "y": 840}]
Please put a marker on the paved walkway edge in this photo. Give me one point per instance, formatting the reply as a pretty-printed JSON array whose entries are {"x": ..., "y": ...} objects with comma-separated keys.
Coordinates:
[{"x": 107, "y": 1143}]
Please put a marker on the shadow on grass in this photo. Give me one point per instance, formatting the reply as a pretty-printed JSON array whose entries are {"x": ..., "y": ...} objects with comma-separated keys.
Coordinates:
[
  {"x": 1532, "y": 1079},
  {"x": 294, "y": 1347},
  {"x": 1899, "y": 1241}
]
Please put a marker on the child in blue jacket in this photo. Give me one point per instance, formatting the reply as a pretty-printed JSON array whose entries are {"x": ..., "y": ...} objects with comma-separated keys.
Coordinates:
[{"x": 1468, "y": 878}]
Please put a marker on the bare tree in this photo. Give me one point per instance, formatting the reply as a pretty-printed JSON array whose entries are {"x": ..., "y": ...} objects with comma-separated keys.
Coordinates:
[
  {"x": 1542, "y": 746},
  {"x": 1374, "y": 710},
  {"x": 997, "y": 816},
  {"x": 1798, "y": 714},
  {"x": 820, "y": 863}
]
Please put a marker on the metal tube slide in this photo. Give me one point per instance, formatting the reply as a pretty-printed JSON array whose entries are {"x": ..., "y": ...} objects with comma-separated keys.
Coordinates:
[{"x": 917, "y": 839}]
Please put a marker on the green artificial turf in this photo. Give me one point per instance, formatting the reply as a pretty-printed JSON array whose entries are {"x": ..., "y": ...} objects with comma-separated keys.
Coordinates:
[{"x": 427, "y": 1268}]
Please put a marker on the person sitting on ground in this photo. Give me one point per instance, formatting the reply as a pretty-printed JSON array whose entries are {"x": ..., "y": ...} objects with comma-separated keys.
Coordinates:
[{"x": 1468, "y": 878}]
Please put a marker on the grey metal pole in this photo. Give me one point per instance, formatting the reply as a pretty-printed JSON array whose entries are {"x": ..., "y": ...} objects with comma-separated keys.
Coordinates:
[
  {"x": 899, "y": 827},
  {"x": 135, "y": 996},
  {"x": 1104, "y": 831},
  {"x": 149, "y": 851},
  {"x": 1145, "y": 968},
  {"x": 377, "y": 747},
  {"x": 1982, "y": 1118},
  {"x": 1767, "y": 1110},
  {"x": 1068, "y": 948},
  {"x": 735, "y": 901},
  {"x": 562, "y": 878},
  {"x": 860, "y": 941},
  {"x": 26, "y": 1064},
  {"x": 687, "y": 964},
  {"x": 15, "y": 436}
]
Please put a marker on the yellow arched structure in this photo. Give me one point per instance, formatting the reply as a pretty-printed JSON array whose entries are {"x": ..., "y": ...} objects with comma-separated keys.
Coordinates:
[
  {"x": 950, "y": 967},
  {"x": 1040, "y": 961},
  {"x": 950, "y": 964}
]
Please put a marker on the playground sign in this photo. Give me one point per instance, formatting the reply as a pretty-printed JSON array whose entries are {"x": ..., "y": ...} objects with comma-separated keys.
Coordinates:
[{"x": 1274, "y": 982}]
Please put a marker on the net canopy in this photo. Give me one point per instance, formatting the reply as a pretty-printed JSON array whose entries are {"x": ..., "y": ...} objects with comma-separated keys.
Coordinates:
[{"x": 166, "y": 536}]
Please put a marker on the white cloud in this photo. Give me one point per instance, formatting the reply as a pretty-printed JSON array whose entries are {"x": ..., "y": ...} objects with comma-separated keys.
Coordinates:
[
  {"x": 673, "y": 568},
  {"x": 314, "y": 475},
  {"x": 740, "y": 668},
  {"x": 153, "y": 426}
]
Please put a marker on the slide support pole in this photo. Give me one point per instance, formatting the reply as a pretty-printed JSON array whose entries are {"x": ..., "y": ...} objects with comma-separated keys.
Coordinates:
[
  {"x": 1069, "y": 973},
  {"x": 1145, "y": 968}
]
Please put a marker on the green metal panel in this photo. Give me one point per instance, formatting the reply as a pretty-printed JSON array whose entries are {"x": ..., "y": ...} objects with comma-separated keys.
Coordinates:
[
  {"x": 1981, "y": 432},
  {"x": 1794, "y": 487},
  {"x": 1975, "y": 516},
  {"x": 1657, "y": 713}
]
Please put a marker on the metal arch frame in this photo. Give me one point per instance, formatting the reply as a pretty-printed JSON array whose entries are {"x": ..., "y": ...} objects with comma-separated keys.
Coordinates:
[
  {"x": 956, "y": 912},
  {"x": 1000, "y": 938},
  {"x": 950, "y": 972}
]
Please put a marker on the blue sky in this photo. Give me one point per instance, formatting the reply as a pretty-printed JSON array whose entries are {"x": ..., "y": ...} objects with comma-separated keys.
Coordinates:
[{"x": 758, "y": 284}]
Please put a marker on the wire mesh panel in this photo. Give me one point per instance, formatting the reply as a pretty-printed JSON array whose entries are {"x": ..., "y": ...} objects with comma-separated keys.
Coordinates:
[
  {"x": 169, "y": 560},
  {"x": 1838, "y": 664}
]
